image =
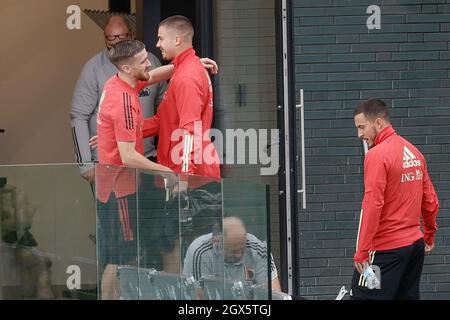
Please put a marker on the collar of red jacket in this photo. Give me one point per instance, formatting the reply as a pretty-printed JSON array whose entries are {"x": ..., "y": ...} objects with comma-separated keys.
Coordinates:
[
  {"x": 384, "y": 134},
  {"x": 126, "y": 84},
  {"x": 183, "y": 56}
]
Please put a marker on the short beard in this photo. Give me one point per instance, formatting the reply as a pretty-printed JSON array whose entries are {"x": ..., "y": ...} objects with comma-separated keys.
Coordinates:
[
  {"x": 375, "y": 134},
  {"x": 143, "y": 77}
]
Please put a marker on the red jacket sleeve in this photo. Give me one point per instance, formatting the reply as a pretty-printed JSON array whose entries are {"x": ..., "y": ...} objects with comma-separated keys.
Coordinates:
[
  {"x": 150, "y": 126},
  {"x": 375, "y": 180},
  {"x": 189, "y": 102},
  {"x": 430, "y": 208}
]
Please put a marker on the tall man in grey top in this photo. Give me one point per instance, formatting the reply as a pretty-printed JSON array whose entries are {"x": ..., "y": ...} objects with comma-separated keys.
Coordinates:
[{"x": 88, "y": 92}]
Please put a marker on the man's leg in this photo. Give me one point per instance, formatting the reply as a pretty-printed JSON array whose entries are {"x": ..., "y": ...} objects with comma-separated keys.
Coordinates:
[
  {"x": 151, "y": 217},
  {"x": 409, "y": 286},
  {"x": 110, "y": 286},
  {"x": 109, "y": 240}
]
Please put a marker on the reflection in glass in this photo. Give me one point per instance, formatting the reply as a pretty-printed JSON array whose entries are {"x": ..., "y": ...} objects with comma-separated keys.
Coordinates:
[{"x": 33, "y": 266}]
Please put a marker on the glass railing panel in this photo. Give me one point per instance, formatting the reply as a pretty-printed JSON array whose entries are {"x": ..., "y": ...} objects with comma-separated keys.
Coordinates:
[
  {"x": 189, "y": 238},
  {"x": 47, "y": 233},
  {"x": 159, "y": 266},
  {"x": 117, "y": 232},
  {"x": 246, "y": 243},
  {"x": 201, "y": 215}
]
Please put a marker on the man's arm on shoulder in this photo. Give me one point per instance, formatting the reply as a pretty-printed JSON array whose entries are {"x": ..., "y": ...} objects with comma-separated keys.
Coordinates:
[
  {"x": 84, "y": 102},
  {"x": 165, "y": 72},
  {"x": 161, "y": 86},
  {"x": 159, "y": 74}
]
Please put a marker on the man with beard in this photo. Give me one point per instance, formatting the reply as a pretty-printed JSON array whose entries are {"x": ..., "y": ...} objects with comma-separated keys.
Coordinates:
[
  {"x": 120, "y": 142},
  {"x": 398, "y": 216},
  {"x": 88, "y": 91},
  {"x": 234, "y": 255}
]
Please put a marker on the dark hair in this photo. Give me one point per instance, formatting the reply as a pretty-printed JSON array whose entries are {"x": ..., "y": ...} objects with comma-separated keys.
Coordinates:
[
  {"x": 124, "y": 51},
  {"x": 373, "y": 109},
  {"x": 180, "y": 24}
]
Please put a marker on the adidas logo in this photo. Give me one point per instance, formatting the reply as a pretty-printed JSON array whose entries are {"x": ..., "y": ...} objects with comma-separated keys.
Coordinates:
[{"x": 409, "y": 159}]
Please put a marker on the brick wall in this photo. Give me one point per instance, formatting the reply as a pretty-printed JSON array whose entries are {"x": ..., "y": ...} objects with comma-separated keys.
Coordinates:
[{"x": 339, "y": 62}]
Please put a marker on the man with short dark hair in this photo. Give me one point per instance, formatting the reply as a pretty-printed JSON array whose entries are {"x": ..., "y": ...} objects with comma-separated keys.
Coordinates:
[
  {"x": 89, "y": 89},
  {"x": 185, "y": 114},
  {"x": 120, "y": 100},
  {"x": 120, "y": 142},
  {"x": 398, "y": 196}
]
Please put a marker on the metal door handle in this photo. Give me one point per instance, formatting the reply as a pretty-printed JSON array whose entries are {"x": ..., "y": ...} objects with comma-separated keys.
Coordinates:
[{"x": 301, "y": 107}]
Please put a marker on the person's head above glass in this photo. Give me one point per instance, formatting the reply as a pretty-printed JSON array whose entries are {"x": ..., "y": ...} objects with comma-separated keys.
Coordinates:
[
  {"x": 116, "y": 30},
  {"x": 131, "y": 59}
]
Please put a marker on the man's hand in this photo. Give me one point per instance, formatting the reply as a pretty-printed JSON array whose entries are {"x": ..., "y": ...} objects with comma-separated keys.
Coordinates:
[
  {"x": 178, "y": 188},
  {"x": 429, "y": 247},
  {"x": 170, "y": 178},
  {"x": 210, "y": 64},
  {"x": 360, "y": 266},
  {"x": 93, "y": 142},
  {"x": 89, "y": 176}
]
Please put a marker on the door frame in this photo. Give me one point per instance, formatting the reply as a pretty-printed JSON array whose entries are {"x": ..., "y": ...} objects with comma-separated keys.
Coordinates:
[{"x": 289, "y": 172}]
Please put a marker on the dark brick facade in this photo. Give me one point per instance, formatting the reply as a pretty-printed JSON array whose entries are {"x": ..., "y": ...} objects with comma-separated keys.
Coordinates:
[{"x": 339, "y": 62}]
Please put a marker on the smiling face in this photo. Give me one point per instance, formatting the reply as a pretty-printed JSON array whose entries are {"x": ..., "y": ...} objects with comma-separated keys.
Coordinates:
[
  {"x": 167, "y": 42},
  {"x": 140, "y": 66}
]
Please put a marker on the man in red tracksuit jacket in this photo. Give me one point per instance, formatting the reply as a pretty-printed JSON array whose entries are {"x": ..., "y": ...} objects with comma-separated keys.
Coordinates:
[
  {"x": 399, "y": 202},
  {"x": 184, "y": 116}
]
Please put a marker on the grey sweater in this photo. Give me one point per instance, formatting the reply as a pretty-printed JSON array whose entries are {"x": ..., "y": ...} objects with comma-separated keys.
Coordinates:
[{"x": 85, "y": 106}]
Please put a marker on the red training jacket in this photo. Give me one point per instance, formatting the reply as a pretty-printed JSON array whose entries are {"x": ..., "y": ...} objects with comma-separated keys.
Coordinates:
[
  {"x": 119, "y": 119},
  {"x": 184, "y": 119},
  {"x": 398, "y": 195}
]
